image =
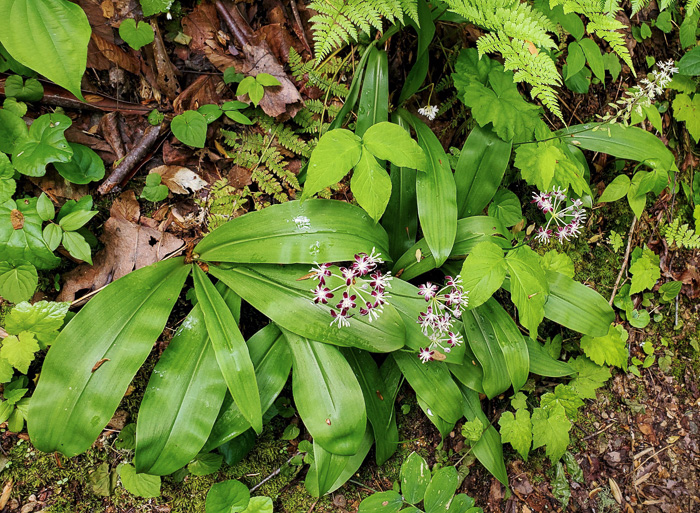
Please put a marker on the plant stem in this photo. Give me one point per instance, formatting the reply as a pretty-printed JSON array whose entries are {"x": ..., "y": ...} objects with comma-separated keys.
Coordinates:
[{"x": 624, "y": 262}]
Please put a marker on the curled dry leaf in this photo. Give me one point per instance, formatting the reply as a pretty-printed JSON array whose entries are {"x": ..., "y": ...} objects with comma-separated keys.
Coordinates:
[
  {"x": 180, "y": 180},
  {"x": 131, "y": 242}
]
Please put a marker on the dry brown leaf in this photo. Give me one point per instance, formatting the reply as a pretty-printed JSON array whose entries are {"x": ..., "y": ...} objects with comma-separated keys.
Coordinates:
[
  {"x": 201, "y": 25},
  {"x": 615, "y": 489},
  {"x": 180, "y": 180},
  {"x": 116, "y": 55},
  {"x": 131, "y": 242}
]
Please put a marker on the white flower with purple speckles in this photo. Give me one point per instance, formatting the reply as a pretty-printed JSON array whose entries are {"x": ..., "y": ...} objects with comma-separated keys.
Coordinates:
[
  {"x": 564, "y": 222},
  {"x": 363, "y": 288},
  {"x": 444, "y": 305}
]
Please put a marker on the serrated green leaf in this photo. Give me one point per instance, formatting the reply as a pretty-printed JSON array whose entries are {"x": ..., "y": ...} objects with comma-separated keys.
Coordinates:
[
  {"x": 42, "y": 318},
  {"x": 336, "y": 153},
  {"x": 688, "y": 110},
  {"x": 6, "y": 372},
  {"x": 45, "y": 144},
  {"x": 555, "y": 261},
  {"x": 645, "y": 271},
  {"x": 550, "y": 428},
  {"x": 517, "y": 430},
  {"x": 17, "y": 281},
  {"x": 537, "y": 163},
  {"x": 140, "y": 485},
  {"x": 690, "y": 63},
  {"x": 19, "y": 350},
  {"x": 566, "y": 397},
  {"x": 49, "y": 37},
  {"x": 610, "y": 349},
  {"x": 505, "y": 207}
]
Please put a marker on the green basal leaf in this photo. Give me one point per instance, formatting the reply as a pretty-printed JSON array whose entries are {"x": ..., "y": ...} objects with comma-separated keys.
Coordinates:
[
  {"x": 441, "y": 489},
  {"x": 610, "y": 349},
  {"x": 12, "y": 130},
  {"x": 49, "y": 37},
  {"x": 19, "y": 350},
  {"x": 505, "y": 207},
  {"x": 227, "y": 497},
  {"x": 230, "y": 349},
  {"x": 528, "y": 287},
  {"x": 53, "y": 234},
  {"x": 415, "y": 478},
  {"x": 18, "y": 281},
  {"x": 381, "y": 502},
  {"x": 517, "y": 430},
  {"x": 483, "y": 272},
  {"x": 45, "y": 144},
  {"x": 85, "y": 165},
  {"x": 205, "y": 464},
  {"x": 120, "y": 338},
  {"x": 550, "y": 428},
  {"x": 335, "y": 416}
]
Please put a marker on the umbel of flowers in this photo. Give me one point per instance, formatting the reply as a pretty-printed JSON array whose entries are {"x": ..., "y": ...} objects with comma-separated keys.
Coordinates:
[
  {"x": 444, "y": 305},
  {"x": 563, "y": 222},
  {"x": 363, "y": 288}
]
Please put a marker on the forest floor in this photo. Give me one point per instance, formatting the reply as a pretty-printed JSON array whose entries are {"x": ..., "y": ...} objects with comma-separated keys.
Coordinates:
[{"x": 638, "y": 443}]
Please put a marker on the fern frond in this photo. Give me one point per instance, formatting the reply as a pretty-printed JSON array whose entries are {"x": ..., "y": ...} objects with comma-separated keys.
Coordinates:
[
  {"x": 681, "y": 235},
  {"x": 691, "y": 6},
  {"x": 339, "y": 22}
]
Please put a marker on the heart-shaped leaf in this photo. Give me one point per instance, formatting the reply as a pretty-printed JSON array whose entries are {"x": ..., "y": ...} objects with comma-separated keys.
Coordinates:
[
  {"x": 85, "y": 165},
  {"x": 190, "y": 128},
  {"x": 12, "y": 129},
  {"x": 136, "y": 35},
  {"x": 29, "y": 90},
  {"x": 227, "y": 497}
]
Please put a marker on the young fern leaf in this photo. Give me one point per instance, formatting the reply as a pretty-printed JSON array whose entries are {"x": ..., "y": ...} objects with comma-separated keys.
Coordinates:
[
  {"x": 339, "y": 22},
  {"x": 681, "y": 236}
]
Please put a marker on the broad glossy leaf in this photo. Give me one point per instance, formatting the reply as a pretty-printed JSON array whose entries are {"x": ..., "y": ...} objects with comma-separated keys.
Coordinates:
[
  {"x": 441, "y": 489},
  {"x": 17, "y": 281},
  {"x": 481, "y": 336},
  {"x": 480, "y": 170},
  {"x": 401, "y": 216},
  {"x": 190, "y": 128},
  {"x": 318, "y": 475},
  {"x": 444, "y": 427},
  {"x": 293, "y": 232},
  {"x": 21, "y": 236},
  {"x": 631, "y": 143},
  {"x": 371, "y": 185},
  {"x": 542, "y": 364},
  {"x": 470, "y": 232},
  {"x": 29, "y": 90},
  {"x": 576, "y": 306},
  {"x": 77, "y": 246},
  {"x": 388, "y": 141},
  {"x": 594, "y": 58},
  {"x": 71, "y": 421},
  {"x": 53, "y": 234},
  {"x": 327, "y": 395},
  {"x": 49, "y": 37},
  {"x": 381, "y": 502},
  {"x": 511, "y": 342},
  {"x": 378, "y": 402},
  {"x": 469, "y": 371},
  {"x": 182, "y": 400},
  {"x": 230, "y": 349},
  {"x": 488, "y": 450},
  {"x": 85, "y": 165},
  {"x": 278, "y": 293},
  {"x": 374, "y": 99},
  {"x": 12, "y": 129},
  {"x": 433, "y": 383},
  {"x": 272, "y": 360},
  {"x": 45, "y": 144},
  {"x": 437, "y": 195},
  {"x": 336, "y": 153},
  {"x": 135, "y": 35},
  {"x": 415, "y": 478}
]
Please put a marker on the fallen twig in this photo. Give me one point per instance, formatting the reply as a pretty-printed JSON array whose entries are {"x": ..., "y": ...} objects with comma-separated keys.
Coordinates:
[
  {"x": 149, "y": 138},
  {"x": 624, "y": 262},
  {"x": 276, "y": 472}
]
